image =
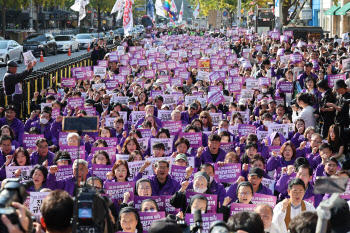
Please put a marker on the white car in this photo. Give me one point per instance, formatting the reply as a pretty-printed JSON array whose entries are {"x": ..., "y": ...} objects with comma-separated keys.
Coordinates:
[
  {"x": 10, "y": 50},
  {"x": 64, "y": 42},
  {"x": 85, "y": 40}
]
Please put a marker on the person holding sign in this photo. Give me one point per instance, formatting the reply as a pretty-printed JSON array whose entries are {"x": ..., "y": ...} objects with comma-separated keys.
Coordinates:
[
  {"x": 286, "y": 210},
  {"x": 13, "y": 84},
  {"x": 244, "y": 194},
  {"x": 162, "y": 182}
]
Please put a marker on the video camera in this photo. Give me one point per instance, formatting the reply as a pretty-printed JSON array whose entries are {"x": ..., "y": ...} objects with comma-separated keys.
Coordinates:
[
  {"x": 13, "y": 191},
  {"x": 92, "y": 213}
]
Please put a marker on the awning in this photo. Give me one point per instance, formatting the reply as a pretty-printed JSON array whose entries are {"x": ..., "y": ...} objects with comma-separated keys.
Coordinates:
[
  {"x": 331, "y": 10},
  {"x": 343, "y": 10}
]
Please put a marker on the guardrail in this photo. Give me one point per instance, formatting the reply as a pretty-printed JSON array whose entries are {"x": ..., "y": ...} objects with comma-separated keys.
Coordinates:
[{"x": 42, "y": 78}]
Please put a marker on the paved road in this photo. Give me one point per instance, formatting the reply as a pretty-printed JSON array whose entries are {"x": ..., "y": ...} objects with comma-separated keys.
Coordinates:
[{"x": 48, "y": 61}]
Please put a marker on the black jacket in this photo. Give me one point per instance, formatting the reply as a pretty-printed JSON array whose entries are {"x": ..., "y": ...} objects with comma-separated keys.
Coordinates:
[{"x": 10, "y": 80}]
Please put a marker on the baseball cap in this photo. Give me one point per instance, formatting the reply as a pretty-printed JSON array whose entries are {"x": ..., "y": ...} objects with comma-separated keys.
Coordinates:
[
  {"x": 181, "y": 156},
  {"x": 89, "y": 101},
  {"x": 131, "y": 100},
  {"x": 12, "y": 64},
  {"x": 256, "y": 171},
  {"x": 63, "y": 157},
  {"x": 193, "y": 105},
  {"x": 308, "y": 64}
]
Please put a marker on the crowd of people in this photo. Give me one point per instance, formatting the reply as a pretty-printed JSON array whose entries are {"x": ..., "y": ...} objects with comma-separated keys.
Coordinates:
[{"x": 236, "y": 124}]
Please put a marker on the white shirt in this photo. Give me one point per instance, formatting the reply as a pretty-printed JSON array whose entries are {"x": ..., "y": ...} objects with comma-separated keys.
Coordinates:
[
  {"x": 272, "y": 229},
  {"x": 279, "y": 216},
  {"x": 307, "y": 114}
]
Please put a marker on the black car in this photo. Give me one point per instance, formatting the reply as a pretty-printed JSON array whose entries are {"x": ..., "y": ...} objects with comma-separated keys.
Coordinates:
[{"x": 38, "y": 43}]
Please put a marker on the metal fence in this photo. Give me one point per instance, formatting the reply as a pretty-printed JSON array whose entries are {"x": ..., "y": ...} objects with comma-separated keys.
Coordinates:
[{"x": 42, "y": 78}]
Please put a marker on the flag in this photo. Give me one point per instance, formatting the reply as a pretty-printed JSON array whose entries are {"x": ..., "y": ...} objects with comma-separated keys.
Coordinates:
[
  {"x": 160, "y": 8},
  {"x": 181, "y": 12},
  {"x": 150, "y": 10},
  {"x": 196, "y": 11},
  {"x": 167, "y": 7},
  {"x": 128, "y": 18},
  {"x": 79, "y": 5},
  {"x": 119, "y": 4},
  {"x": 173, "y": 6}
]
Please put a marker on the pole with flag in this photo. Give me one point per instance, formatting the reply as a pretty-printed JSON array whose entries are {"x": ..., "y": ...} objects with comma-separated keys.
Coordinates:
[
  {"x": 167, "y": 8},
  {"x": 160, "y": 8},
  {"x": 181, "y": 12},
  {"x": 118, "y": 7},
  {"x": 150, "y": 10},
  {"x": 196, "y": 11},
  {"x": 79, "y": 5},
  {"x": 128, "y": 20},
  {"x": 173, "y": 7}
]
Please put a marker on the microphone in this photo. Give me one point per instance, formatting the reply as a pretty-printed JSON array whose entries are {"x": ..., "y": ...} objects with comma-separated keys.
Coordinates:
[{"x": 198, "y": 222}]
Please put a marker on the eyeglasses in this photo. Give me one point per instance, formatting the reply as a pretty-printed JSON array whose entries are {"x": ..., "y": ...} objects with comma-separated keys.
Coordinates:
[
  {"x": 204, "y": 117},
  {"x": 245, "y": 193}
]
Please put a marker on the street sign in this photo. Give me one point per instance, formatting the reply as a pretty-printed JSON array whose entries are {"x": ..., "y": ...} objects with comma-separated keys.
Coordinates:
[
  {"x": 277, "y": 8},
  {"x": 306, "y": 14},
  {"x": 140, "y": 9}
]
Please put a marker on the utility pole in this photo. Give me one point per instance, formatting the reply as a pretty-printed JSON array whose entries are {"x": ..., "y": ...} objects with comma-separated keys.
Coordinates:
[
  {"x": 31, "y": 14},
  {"x": 238, "y": 13}
]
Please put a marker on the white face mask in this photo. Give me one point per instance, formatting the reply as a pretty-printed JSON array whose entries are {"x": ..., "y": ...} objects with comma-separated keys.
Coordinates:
[
  {"x": 194, "y": 210},
  {"x": 222, "y": 130},
  {"x": 264, "y": 90},
  {"x": 44, "y": 121},
  {"x": 211, "y": 179},
  {"x": 267, "y": 122},
  {"x": 199, "y": 190}
]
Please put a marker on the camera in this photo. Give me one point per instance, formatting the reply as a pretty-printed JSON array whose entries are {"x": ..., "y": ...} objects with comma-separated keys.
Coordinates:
[
  {"x": 13, "y": 191},
  {"x": 91, "y": 213}
]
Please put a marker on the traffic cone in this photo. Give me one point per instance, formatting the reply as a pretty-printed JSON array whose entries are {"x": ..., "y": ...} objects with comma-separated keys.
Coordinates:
[
  {"x": 69, "y": 52},
  {"x": 88, "y": 49},
  {"x": 41, "y": 57}
]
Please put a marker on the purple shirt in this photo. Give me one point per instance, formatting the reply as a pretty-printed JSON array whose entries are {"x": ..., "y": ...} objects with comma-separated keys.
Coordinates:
[
  {"x": 233, "y": 189},
  {"x": 185, "y": 118},
  {"x": 67, "y": 184},
  {"x": 17, "y": 127},
  {"x": 34, "y": 158},
  {"x": 206, "y": 157},
  {"x": 170, "y": 188}
]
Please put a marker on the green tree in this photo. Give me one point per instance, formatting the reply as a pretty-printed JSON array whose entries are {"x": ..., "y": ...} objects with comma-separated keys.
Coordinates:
[
  {"x": 101, "y": 6},
  {"x": 41, "y": 3},
  {"x": 6, "y": 5}
]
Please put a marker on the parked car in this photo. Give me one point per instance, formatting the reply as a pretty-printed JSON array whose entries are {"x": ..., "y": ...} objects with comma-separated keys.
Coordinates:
[
  {"x": 10, "y": 50},
  {"x": 38, "y": 43},
  {"x": 84, "y": 39},
  {"x": 64, "y": 42}
]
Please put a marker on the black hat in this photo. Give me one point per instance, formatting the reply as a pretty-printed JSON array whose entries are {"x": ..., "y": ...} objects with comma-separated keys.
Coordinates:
[
  {"x": 308, "y": 64},
  {"x": 256, "y": 171},
  {"x": 12, "y": 64},
  {"x": 340, "y": 84},
  {"x": 89, "y": 101},
  {"x": 167, "y": 224},
  {"x": 193, "y": 105},
  {"x": 63, "y": 157},
  {"x": 340, "y": 216}
]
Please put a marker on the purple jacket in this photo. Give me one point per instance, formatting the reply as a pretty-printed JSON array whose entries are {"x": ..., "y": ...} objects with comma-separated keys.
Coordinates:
[
  {"x": 120, "y": 137},
  {"x": 233, "y": 188},
  {"x": 207, "y": 158},
  {"x": 296, "y": 138},
  {"x": 67, "y": 184},
  {"x": 17, "y": 127},
  {"x": 215, "y": 188},
  {"x": 56, "y": 129},
  {"x": 278, "y": 161},
  {"x": 34, "y": 158},
  {"x": 170, "y": 188},
  {"x": 185, "y": 118},
  {"x": 32, "y": 189},
  {"x": 302, "y": 77},
  {"x": 47, "y": 130},
  {"x": 141, "y": 120},
  {"x": 265, "y": 149}
]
